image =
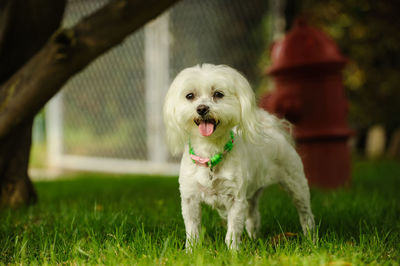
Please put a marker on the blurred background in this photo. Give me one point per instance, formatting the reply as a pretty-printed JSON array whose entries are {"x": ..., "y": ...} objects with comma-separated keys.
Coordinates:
[{"x": 108, "y": 118}]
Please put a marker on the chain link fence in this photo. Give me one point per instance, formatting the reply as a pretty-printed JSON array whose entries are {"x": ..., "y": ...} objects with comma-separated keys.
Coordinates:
[{"x": 111, "y": 111}]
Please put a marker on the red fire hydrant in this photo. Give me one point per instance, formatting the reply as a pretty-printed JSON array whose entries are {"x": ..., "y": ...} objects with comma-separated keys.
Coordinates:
[{"x": 306, "y": 70}]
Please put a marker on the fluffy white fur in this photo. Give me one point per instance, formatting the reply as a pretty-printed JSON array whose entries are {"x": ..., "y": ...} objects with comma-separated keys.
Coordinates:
[{"x": 263, "y": 152}]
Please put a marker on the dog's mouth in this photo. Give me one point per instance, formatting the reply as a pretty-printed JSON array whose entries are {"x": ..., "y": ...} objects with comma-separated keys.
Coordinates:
[{"x": 206, "y": 126}]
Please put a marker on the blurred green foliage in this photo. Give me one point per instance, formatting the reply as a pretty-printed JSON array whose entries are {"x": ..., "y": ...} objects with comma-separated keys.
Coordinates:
[{"x": 366, "y": 32}]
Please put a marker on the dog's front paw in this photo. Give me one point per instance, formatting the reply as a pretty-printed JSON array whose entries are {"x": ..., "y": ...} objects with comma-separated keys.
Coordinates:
[
  {"x": 253, "y": 227},
  {"x": 188, "y": 248},
  {"x": 191, "y": 243},
  {"x": 232, "y": 240}
]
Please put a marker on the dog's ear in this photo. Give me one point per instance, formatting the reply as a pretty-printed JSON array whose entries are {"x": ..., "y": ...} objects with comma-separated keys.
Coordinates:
[
  {"x": 248, "y": 127},
  {"x": 175, "y": 134}
]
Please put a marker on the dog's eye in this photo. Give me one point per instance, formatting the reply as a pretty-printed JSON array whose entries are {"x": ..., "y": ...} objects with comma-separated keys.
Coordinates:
[
  {"x": 190, "y": 96},
  {"x": 218, "y": 95}
]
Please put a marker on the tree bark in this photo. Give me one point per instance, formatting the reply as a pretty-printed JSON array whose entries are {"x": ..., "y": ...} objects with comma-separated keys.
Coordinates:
[
  {"x": 25, "y": 26},
  {"x": 66, "y": 53},
  {"x": 16, "y": 187}
]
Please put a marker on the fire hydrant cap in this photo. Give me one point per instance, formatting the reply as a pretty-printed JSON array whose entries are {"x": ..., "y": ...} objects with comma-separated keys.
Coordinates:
[{"x": 304, "y": 46}]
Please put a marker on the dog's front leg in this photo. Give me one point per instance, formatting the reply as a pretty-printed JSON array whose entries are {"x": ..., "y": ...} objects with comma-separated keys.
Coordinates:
[
  {"x": 236, "y": 217},
  {"x": 191, "y": 212}
]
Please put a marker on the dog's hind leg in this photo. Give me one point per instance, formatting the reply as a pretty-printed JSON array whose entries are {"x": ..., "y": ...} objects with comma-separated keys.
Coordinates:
[
  {"x": 253, "y": 220},
  {"x": 296, "y": 185}
]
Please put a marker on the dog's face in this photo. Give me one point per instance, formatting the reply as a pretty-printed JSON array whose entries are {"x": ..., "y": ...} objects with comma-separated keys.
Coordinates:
[{"x": 206, "y": 101}]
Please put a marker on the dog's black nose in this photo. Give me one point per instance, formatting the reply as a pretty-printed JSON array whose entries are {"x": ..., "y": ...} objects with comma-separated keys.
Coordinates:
[{"x": 202, "y": 109}]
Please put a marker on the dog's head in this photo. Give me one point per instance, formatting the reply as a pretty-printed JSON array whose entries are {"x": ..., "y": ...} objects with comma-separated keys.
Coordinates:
[{"x": 208, "y": 101}]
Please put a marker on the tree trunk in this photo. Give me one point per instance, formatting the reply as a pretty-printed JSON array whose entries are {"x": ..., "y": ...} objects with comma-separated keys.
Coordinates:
[
  {"x": 24, "y": 92},
  {"x": 25, "y": 26},
  {"x": 16, "y": 187}
]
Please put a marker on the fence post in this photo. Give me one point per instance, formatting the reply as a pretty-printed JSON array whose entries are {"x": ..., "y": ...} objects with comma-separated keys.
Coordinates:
[
  {"x": 156, "y": 45},
  {"x": 54, "y": 131}
]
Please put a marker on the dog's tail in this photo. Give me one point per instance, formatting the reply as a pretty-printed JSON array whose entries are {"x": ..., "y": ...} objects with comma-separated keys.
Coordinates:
[{"x": 283, "y": 126}]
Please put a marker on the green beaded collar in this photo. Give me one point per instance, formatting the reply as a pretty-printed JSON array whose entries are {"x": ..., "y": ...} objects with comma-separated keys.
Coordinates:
[{"x": 213, "y": 161}]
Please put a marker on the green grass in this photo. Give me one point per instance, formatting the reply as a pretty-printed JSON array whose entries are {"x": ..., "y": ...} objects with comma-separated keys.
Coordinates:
[{"x": 100, "y": 219}]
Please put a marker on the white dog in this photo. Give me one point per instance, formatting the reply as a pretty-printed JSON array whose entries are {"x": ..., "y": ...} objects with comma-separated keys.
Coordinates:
[{"x": 231, "y": 150}]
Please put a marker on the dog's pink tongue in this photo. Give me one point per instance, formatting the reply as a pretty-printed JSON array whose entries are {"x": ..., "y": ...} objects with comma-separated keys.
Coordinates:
[{"x": 206, "y": 129}]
